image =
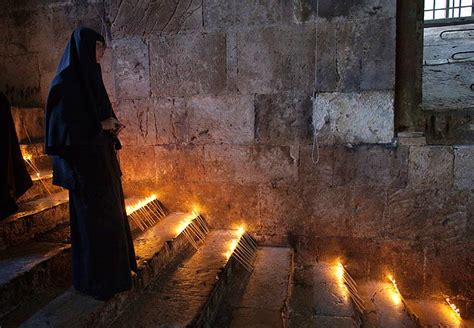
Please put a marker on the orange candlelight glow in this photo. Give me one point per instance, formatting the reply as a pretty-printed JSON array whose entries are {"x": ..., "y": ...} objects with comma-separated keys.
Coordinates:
[
  {"x": 139, "y": 204},
  {"x": 394, "y": 292}
]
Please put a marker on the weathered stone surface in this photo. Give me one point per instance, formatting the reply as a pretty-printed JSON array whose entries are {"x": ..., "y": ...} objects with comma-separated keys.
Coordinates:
[
  {"x": 431, "y": 166},
  {"x": 189, "y": 292},
  {"x": 306, "y": 321},
  {"x": 420, "y": 214},
  {"x": 153, "y": 121},
  {"x": 367, "y": 206},
  {"x": 464, "y": 167},
  {"x": 155, "y": 249},
  {"x": 29, "y": 268},
  {"x": 276, "y": 59},
  {"x": 306, "y": 10},
  {"x": 21, "y": 79},
  {"x": 238, "y": 14},
  {"x": 278, "y": 207},
  {"x": 354, "y": 117},
  {"x": 33, "y": 218},
  {"x": 382, "y": 309},
  {"x": 137, "y": 18},
  {"x": 448, "y": 86},
  {"x": 250, "y": 164},
  {"x": 132, "y": 69},
  {"x": 199, "y": 68},
  {"x": 356, "y": 55},
  {"x": 29, "y": 123},
  {"x": 236, "y": 203},
  {"x": 320, "y": 173},
  {"x": 319, "y": 291},
  {"x": 180, "y": 163},
  {"x": 224, "y": 119},
  {"x": 138, "y": 163},
  {"x": 327, "y": 212},
  {"x": 283, "y": 119},
  {"x": 267, "y": 290},
  {"x": 374, "y": 165},
  {"x": 435, "y": 313}
]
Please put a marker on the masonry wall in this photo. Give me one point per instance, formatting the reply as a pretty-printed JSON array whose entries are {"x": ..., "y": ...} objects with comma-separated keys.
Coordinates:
[{"x": 217, "y": 100}]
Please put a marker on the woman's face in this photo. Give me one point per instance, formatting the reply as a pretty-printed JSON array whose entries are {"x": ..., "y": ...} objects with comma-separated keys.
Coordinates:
[{"x": 99, "y": 51}]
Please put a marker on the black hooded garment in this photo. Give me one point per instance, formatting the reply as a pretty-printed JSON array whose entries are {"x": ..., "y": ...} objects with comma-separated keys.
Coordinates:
[
  {"x": 14, "y": 178},
  {"x": 85, "y": 162}
]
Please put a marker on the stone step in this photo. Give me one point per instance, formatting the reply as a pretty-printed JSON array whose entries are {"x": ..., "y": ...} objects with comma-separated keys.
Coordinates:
[
  {"x": 190, "y": 295},
  {"x": 156, "y": 248},
  {"x": 265, "y": 299},
  {"x": 28, "y": 269},
  {"x": 384, "y": 306},
  {"x": 33, "y": 218},
  {"x": 320, "y": 299},
  {"x": 42, "y": 186},
  {"x": 29, "y": 123},
  {"x": 437, "y": 313},
  {"x": 23, "y": 267}
]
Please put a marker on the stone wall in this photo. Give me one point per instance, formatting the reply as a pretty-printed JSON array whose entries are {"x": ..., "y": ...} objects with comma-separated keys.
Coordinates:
[{"x": 217, "y": 100}]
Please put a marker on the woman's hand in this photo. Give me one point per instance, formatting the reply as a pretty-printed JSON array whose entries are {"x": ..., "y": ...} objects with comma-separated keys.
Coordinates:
[{"x": 112, "y": 125}]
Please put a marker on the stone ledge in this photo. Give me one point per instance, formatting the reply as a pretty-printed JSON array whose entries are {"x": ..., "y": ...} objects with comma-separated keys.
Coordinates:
[
  {"x": 155, "y": 249},
  {"x": 29, "y": 267},
  {"x": 34, "y": 217}
]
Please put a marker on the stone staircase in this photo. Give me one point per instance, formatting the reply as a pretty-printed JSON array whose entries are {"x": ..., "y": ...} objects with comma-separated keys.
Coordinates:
[{"x": 189, "y": 275}]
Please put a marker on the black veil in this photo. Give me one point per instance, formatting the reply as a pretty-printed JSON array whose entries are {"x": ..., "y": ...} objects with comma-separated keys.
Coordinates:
[{"x": 77, "y": 99}]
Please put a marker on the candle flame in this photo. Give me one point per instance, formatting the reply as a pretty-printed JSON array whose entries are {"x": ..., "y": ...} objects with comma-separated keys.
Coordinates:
[
  {"x": 184, "y": 223},
  {"x": 395, "y": 294},
  {"x": 239, "y": 232},
  {"x": 139, "y": 204},
  {"x": 453, "y": 307}
]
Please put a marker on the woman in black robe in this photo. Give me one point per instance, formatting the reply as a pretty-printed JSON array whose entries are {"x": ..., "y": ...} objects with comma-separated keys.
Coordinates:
[
  {"x": 14, "y": 178},
  {"x": 80, "y": 133}
]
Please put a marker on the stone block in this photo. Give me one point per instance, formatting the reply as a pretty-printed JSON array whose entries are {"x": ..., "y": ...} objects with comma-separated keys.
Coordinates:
[
  {"x": 327, "y": 75},
  {"x": 453, "y": 92},
  {"x": 143, "y": 18},
  {"x": 235, "y": 204},
  {"x": 132, "y": 70},
  {"x": 426, "y": 214},
  {"x": 367, "y": 206},
  {"x": 243, "y": 164},
  {"x": 431, "y": 166},
  {"x": 241, "y": 14},
  {"x": 327, "y": 212},
  {"x": 180, "y": 163},
  {"x": 283, "y": 119},
  {"x": 306, "y": 10},
  {"x": 464, "y": 167},
  {"x": 223, "y": 119},
  {"x": 138, "y": 163},
  {"x": 29, "y": 30},
  {"x": 354, "y": 118},
  {"x": 276, "y": 59},
  {"x": 356, "y": 55},
  {"x": 200, "y": 67},
  {"x": 373, "y": 165},
  {"x": 153, "y": 121},
  {"x": 278, "y": 206},
  {"x": 21, "y": 79},
  {"x": 320, "y": 173}
]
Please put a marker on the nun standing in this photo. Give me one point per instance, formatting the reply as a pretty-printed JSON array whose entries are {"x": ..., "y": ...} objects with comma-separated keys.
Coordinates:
[{"x": 81, "y": 134}]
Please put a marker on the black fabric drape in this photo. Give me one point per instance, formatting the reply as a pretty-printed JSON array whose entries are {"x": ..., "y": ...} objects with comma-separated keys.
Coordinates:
[
  {"x": 77, "y": 99},
  {"x": 14, "y": 177},
  {"x": 85, "y": 162}
]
